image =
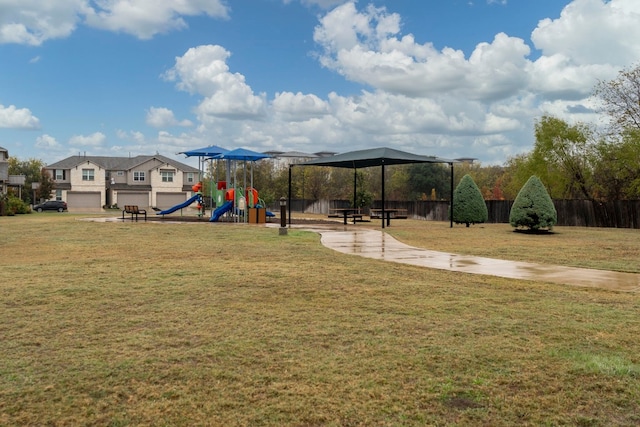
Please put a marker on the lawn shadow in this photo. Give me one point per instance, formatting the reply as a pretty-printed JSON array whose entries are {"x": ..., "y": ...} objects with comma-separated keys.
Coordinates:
[{"x": 535, "y": 232}]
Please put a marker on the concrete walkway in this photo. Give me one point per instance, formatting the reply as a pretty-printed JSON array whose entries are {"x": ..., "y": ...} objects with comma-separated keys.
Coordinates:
[{"x": 379, "y": 245}]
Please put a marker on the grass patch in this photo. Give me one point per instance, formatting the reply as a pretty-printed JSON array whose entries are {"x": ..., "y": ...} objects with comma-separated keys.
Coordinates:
[
  {"x": 602, "y": 364},
  {"x": 217, "y": 324}
]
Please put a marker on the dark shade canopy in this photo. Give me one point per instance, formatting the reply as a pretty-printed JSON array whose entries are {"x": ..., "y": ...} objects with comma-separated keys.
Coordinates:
[
  {"x": 205, "y": 151},
  {"x": 373, "y": 157}
]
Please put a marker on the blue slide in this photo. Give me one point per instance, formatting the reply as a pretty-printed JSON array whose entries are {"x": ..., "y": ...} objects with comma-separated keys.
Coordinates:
[
  {"x": 180, "y": 206},
  {"x": 226, "y": 207}
]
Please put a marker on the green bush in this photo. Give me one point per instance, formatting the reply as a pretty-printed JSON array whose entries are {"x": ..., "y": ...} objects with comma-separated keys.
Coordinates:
[
  {"x": 16, "y": 206},
  {"x": 533, "y": 208},
  {"x": 469, "y": 206}
]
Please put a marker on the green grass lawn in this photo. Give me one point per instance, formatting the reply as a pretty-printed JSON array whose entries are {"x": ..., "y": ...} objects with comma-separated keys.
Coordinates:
[{"x": 127, "y": 324}]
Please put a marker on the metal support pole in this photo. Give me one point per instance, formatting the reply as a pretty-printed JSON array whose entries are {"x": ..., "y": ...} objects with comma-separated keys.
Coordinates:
[
  {"x": 289, "y": 195},
  {"x": 283, "y": 217},
  {"x": 451, "y": 196},
  {"x": 383, "y": 207}
]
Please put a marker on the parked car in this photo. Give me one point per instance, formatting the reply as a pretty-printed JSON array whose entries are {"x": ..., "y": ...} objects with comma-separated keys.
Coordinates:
[{"x": 51, "y": 205}]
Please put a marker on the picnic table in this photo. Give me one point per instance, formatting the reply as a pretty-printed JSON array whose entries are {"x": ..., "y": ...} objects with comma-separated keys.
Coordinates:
[
  {"x": 351, "y": 213},
  {"x": 389, "y": 213}
]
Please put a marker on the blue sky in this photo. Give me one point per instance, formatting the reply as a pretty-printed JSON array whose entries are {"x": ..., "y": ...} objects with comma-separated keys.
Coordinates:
[{"x": 452, "y": 78}]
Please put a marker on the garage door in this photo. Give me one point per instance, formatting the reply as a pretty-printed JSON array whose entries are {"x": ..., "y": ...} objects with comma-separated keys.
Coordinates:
[
  {"x": 167, "y": 200},
  {"x": 83, "y": 200},
  {"x": 133, "y": 198}
]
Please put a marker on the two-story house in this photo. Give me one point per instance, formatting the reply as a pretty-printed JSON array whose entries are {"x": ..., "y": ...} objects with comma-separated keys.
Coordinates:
[
  {"x": 4, "y": 170},
  {"x": 91, "y": 182}
]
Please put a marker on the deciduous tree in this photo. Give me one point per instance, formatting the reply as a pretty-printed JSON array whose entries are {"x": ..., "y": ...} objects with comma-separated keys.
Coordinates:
[
  {"x": 427, "y": 178},
  {"x": 562, "y": 158},
  {"x": 46, "y": 185},
  {"x": 31, "y": 169},
  {"x": 621, "y": 99},
  {"x": 617, "y": 172}
]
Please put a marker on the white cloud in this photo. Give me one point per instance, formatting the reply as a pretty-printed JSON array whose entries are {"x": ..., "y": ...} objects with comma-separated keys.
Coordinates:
[
  {"x": 17, "y": 118},
  {"x": 345, "y": 27},
  {"x": 203, "y": 70},
  {"x": 177, "y": 143},
  {"x": 146, "y": 18},
  {"x": 366, "y": 47},
  {"x": 96, "y": 139},
  {"x": 558, "y": 77},
  {"x": 590, "y": 42},
  {"x": 163, "y": 117},
  {"x": 498, "y": 70},
  {"x": 325, "y": 4},
  {"x": 47, "y": 142},
  {"x": 592, "y": 32},
  {"x": 32, "y": 22},
  {"x": 298, "y": 107},
  {"x": 135, "y": 136}
]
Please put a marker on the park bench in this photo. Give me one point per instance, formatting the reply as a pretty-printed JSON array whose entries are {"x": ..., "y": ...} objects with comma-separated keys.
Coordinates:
[
  {"x": 134, "y": 211},
  {"x": 400, "y": 214},
  {"x": 354, "y": 214},
  {"x": 355, "y": 217},
  {"x": 390, "y": 213}
]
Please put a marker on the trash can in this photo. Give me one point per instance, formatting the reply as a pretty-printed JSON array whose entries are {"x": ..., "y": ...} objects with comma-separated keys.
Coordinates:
[{"x": 257, "y": 215}]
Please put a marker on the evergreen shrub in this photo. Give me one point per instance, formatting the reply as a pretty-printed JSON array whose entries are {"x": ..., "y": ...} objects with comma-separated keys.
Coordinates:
[
  {"x": 533, "y": 207},
  {"x": 469, "y": 206}
]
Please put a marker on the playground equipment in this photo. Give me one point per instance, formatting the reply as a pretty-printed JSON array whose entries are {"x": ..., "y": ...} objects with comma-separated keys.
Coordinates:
[
  {"x": 248, "y": 200},
  {"x": 232, "y": 200},
  {"x": 197, "y": 188}
]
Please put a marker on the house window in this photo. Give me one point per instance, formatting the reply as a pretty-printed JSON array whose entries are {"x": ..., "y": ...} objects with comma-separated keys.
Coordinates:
[
  {"x": 120, "y": 173},
  {"x": 167, "y": 176},
  {"x": 190, "y": 177},
  {"x": 59, "y": 174},
  {"x": 138, "y": 176},
  {"x": 88, "y": 175},
  {"x": 58, "y": 194}
]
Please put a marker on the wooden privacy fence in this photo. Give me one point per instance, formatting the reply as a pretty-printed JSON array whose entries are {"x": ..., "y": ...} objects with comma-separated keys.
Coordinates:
[{"x": 579, "y": 213}]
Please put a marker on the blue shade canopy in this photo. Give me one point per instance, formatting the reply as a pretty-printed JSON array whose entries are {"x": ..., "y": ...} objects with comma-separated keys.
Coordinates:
[
  {"x": 242, "y": 154},
  {"x": 210, "y": 151}
]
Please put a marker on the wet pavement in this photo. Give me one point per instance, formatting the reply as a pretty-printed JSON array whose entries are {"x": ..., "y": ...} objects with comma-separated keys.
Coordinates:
[{"x": 379, "y": 245}]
